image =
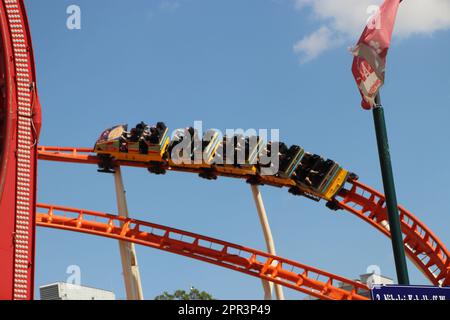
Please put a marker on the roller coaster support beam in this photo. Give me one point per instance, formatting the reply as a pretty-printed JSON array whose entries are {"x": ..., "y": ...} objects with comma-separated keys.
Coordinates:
[
  {"x": 389, "y": 190},
  {"x": 269, "y": 242},
  {"x": 128, "y": 255}
]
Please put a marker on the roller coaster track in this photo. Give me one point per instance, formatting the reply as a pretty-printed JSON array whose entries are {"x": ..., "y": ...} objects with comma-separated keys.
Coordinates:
[
  {"x": 19, "y": 134},
  {"x": 288, "y": 273},
  {"x": 425, "y": 249}
]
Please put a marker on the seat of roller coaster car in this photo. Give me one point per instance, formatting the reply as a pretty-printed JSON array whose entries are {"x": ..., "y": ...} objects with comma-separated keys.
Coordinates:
[
  {"x": 141, "y": 127},
  {"x": 247, "y": 148},
  {"x": 323, "y": 166},
  {"x": 293, "y": 150},
  {"x": 123, "y": 147},
  {"x": 205, "y": 143},
  {"x": 104, "y": 136},
  {"x": 178, "y": 135},
  {"x": 196, "y": 142},
  {"x": 283, "y": 152},
  {"x": 253, "y": 144},
  {"x": 302, "y": 174},
  {"x": 316, "y": 179},
  {"x": 220, "y": 152},
  {"x": 268, "y": 149},
  {"x": 239, "y": 141},
  {"x": 190, "y": 132},
  {"x": 328, "y": 165},
  {"x": 284, "y": 162},
  {"x": 226, "y": 143},
  {"x": 161, "y": 126},
  {"x": 282, "y": 148},
  {"x": 133, "y": 136},
  {"x": 177, "y": 138},
  {"x": 153, "y": 136},
  {"x": 309, "y": 160}
]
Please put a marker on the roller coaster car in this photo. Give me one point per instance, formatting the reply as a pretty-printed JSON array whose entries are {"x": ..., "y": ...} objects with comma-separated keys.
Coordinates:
[
  {"x": 185, "y": 148},
  {"x": 158, "y": 138},
  {"x": 223, "y": 156},
  {"x": 243, "y": 157},
  {"x": 209, "y": 145},
  {"x": 289, "y": 160},
  {"x": 110, "y": 141},
  {"x": 265, "y": 161},
  {"x": 322, "y": 178},
  {"x": 142, "y": 144},
  {"x": 254, "y": 146},
  {"x": 319, "y": 173},
  {"x": 303, "y": 170},
  {"x": 179, "y": 137}
]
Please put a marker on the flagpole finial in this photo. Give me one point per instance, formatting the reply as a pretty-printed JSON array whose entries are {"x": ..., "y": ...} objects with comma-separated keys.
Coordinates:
[{"x": 378, "y": 100}]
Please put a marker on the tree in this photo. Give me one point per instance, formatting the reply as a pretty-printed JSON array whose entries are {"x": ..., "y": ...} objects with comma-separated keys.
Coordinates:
[{"x": 193, "y": 294}]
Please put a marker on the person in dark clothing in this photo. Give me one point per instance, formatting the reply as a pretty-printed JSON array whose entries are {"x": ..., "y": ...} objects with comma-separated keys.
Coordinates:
[{"x": 133, "y": 136}]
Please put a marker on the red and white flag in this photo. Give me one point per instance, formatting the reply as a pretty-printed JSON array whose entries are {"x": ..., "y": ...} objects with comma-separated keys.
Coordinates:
[{"x": 371, "y": 51}]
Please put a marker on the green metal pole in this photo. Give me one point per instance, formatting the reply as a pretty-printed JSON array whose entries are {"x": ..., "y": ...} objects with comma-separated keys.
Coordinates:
[{"x": 389, "y": 190}]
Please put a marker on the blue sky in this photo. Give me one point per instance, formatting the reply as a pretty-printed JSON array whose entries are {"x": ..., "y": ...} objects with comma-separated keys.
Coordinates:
[{"x": 232, "y": 64}]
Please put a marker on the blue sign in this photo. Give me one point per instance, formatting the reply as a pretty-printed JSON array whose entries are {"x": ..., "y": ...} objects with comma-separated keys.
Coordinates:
[{"x": 394, "y": 292}]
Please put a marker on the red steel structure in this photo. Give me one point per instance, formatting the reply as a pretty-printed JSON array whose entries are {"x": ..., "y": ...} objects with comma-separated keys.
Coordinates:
[
  {"x": 19, "y": 130},
  {"x": 20, "y": 123}
]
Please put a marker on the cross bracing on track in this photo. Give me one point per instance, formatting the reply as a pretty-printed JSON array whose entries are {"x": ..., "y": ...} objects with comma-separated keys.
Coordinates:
[{"x": 256, "y": 263}]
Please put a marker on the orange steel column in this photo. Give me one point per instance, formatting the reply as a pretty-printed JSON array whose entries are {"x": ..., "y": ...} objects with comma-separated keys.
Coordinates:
[{"x": 128, "y": 255}]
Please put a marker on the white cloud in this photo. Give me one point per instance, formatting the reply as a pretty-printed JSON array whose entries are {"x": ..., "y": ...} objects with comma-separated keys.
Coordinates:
[
  {"x": 423, "y": 17},
  {"x": 169, "y": 5},
  {"x": 345, "y": 19},
  {"x": 314, "y": 44}
]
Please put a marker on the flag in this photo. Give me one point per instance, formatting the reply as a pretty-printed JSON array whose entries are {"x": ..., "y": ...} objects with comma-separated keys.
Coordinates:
[
  {"x": 371, "y": 50},
  {"x": 37, "y": 112}
]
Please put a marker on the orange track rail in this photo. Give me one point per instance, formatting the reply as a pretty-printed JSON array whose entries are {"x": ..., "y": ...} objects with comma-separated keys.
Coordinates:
[
  {"x": 249, "y": 261},
  {"x": 423, "y": 247}
]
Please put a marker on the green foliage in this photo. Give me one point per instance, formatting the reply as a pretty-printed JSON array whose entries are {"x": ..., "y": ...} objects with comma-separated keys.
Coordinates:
[{"x": 193, "y": 294}]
